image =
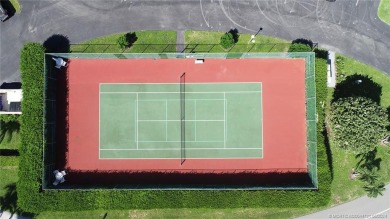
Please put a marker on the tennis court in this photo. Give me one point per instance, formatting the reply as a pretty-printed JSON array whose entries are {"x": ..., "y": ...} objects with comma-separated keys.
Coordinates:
[{"x": 172, "y": 120}]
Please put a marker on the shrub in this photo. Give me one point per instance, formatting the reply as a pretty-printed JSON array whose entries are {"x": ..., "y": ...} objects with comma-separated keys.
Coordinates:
[
  {"x": 9, "y": 117},
  {"x": 122, "y": 42},
  {"x": 30, "y": 166},
  {"x": 227, "y": 40},
  {"x": 358, "y": 124},
  {"x": 299, "y": 47},
  {"x": 126, "y": 40}
]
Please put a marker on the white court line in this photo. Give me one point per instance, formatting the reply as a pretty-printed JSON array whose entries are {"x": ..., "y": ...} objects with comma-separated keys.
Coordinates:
[
  {"x": 180, "y": 141},
  {"x": 224, "y": 120},
  {"x": 175, "y": 158},
  {"x": 262, "y": 122},
  {"x": 99, "y": 120},
  {"x": 174, "y": 120},
  {"x": 137, "y": 119},
  {"x": 166, "y": 122},
  {"x": 195, "y": 119},
  {"x": 167, "y": 149},
  {"x": 250, "y": 82},
  {"x": 174, "y": 92},
  {"x": 150, "y": 100}
]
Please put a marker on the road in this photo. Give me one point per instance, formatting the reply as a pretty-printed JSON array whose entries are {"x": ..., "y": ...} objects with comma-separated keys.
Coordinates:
[
  {"x": 363, "y": 207},
  {"x": 346, "y": 26}
]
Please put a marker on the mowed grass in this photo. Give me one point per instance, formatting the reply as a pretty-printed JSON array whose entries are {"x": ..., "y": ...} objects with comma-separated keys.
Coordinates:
[
  {"x": 384, "y": 11},
  {"x": 107, "y": 44},
  {"x": 8, "y": 177},
  {"x": 197, "y": 42},
  {"x": 271, "y": 213},
  {"x": 10, "y": 141},
  {"x": 353, "y": 66}
]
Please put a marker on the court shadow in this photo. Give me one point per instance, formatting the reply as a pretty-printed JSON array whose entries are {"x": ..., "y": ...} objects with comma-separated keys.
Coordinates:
[
  {"x": 62, "y": 115},
  {"x": 128, "y": 179},
  {"x": 57, "y": 43},
  {"x": 357, "y": 85}
]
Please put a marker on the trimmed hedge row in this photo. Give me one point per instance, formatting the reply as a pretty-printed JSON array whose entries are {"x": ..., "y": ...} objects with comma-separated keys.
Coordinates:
[
  {"x": 32, "y": 199},
  {"x": 10, "y": 117}
]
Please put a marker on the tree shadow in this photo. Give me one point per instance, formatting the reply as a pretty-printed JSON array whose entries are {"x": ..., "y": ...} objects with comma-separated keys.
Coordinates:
[
  {"x": 9, "y": 152},
  {"x": 235, "y": 34},
  {"x": 358, "y": 86},
  {"x": 8, "y": 7},
  {"x": 303, "y": 41},
  {"x": 328, "y": 151},
  {"x": 369, "y": 160},
  {"x": 8, "y": 129},
  {"x": 57, "y": 44},
  {"x": 8, "y": 202},
  {"x": 131, "y": 38},
  {"x": 321, "y": 54}
]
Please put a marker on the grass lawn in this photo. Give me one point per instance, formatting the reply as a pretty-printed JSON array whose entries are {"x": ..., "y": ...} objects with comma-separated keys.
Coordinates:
[
  {"x": 8, "y": 176},
  {"x": 384, "y": 11},
  {"x": 16, "y": 5},
  {"x": 354, "y": 67},
  {"x": 272, "y": 213},
  {"x": 107, "y": 44},
  {"x": 263, "y": 43},
  {"x": 344, "y": 189},
  {"x": 11, "y": 141}
]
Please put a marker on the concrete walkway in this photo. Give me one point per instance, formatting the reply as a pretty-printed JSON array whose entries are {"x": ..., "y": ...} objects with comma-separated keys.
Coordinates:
[
  {"x": 180, "y": 41},
  {"x": 350, "y": 27},
  {"x": 8, "y": 215}
]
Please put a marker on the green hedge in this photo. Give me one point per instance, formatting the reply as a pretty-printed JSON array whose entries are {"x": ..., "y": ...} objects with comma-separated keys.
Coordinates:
[
  {"x": 10, "y": 117},
  {"x": 32, "y": 199}
]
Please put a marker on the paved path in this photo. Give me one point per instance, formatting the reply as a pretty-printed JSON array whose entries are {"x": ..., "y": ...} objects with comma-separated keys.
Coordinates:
[
  {"x": 363, "y": 207},
  {"x": 347, "y": 26}
]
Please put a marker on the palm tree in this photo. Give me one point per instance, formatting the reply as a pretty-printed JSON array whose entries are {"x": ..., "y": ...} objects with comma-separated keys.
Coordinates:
[
  {"x": 374, "y": 190},
  {"x": 369, "y": 176}
]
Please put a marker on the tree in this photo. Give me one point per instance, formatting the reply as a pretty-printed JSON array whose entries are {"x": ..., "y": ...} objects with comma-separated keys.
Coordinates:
[
  {"x": 126, "y": 40},
  {"x": 357, "y": 124},
  {"x": 374, "y": 190},
  {"x": 371, "y": 177},
  {"x": 227, "y": 40},
  {"x": 299, "y": 47}
]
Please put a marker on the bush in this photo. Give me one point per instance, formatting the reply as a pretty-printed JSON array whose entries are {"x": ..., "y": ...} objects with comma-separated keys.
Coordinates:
[
  {"x": 9, "y": 117},
  {"x": 299, "y": 47},
  {"x": 30, "y": 166},
  {"x": 227, "y": 40},
  {"x": 358, "y": 124},
  {"x": 126, "y": 40}
]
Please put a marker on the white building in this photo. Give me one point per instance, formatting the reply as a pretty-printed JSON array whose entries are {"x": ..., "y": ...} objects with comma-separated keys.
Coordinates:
[{"x": 10, "y": 98}]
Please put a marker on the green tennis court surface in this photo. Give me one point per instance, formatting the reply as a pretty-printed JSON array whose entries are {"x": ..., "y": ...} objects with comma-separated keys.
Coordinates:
[{"x": 143, "y": 121}]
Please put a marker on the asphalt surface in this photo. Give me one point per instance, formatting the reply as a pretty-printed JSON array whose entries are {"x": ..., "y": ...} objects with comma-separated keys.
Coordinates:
[
  {"x": 363, "y": 207},
  {"x": 350, "y": 27}
]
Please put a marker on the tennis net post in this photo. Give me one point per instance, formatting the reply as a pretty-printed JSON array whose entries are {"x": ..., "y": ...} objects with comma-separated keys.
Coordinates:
[{"x": 182, "y": 119}]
